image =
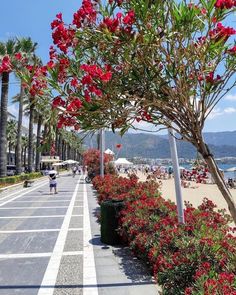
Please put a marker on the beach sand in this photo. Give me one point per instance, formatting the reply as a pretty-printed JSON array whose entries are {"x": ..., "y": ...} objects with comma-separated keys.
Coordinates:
[{"x": 193, "y": 195}]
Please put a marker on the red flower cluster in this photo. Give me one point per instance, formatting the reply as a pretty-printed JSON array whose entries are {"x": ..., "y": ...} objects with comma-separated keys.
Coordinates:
[
  {"x": 74, "y": 105},
  {"x": 66, "y": 120},
  {"x": 225, "y": 4},
  {"x": 232, "y": 50},
  {"x": 221, "y": 33},
  {"x": 37, "y": 82},
  {"x": 86, "y": 14},
  {"x": 119, "y": 23},
  {"x": 58, "y": 101},
  {"x": 6, "y": 65},
  {"x": 119, "y": 2},
  {"x": 62, "y": 37},
  {"x": 95, "y": 72},
  {"x": 129, "y": 18},
  {"x": 210, "y": 78}
]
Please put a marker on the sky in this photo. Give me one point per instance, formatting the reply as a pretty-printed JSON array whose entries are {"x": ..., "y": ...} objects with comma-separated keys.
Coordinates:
[{"x": 29, "y": 18}]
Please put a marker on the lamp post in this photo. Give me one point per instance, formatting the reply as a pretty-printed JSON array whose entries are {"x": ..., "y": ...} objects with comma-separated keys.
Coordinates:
[
  {"x": 102, "y": 149},
  {"x": 175, "y": 162}
]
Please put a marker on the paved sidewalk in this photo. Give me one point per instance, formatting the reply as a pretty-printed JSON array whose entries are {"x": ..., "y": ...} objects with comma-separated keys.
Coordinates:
[{"x": 48, "y": 244}]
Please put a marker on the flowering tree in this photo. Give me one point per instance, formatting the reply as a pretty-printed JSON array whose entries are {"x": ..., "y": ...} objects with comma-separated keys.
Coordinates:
[
  {"x": 91, "y": 159},
  {"x": 165, "y": 62}
]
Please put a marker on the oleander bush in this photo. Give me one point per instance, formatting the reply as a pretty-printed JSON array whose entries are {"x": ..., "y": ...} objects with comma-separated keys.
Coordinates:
[{"x": 197, "y": 258}]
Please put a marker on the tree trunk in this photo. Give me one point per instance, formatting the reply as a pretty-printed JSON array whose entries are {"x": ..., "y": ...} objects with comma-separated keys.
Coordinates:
[
  {"x": 60, "y": 147},
  {"x": 68, "y": 151},
  {"x": 31, "y": 138},
  {"x": 9, "y": 153},
  {"x": 98, "y": 140},
  {"x": 219, "y": 180},
  {"x": 19, "y": 133},
  {"x": 57, "y": 143},
  {"x": 3, "y": 124},
  {"x": 37, "y": 160},
  {"x": 25, "y": 149}
]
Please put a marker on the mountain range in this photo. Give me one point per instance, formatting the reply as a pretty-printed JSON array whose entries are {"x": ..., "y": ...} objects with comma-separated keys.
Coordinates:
[{"x": 222, "y": 144}]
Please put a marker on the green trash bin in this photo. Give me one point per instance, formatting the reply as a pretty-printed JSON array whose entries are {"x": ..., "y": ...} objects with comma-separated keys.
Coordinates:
[{"x": 109, "y": 221}]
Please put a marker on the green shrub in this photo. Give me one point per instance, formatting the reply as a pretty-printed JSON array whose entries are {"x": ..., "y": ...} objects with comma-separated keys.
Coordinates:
[{"x": 19, "y": 178}]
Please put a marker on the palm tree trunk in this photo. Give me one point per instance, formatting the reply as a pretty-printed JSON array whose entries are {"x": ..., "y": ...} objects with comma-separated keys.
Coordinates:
[
  {"x": 68, "y": 151},
  {"x": 19, "y": 133},
  {"x": 25, "y": 151},
  {"x": 57, "y": 143},
  {"x": 219, "y": 180},
  {"x": 37, "y": 160},
  {"x": 9, "y": 154},
  {"x": 31, "y": 138},
  {"x": 3, "y": 124}
]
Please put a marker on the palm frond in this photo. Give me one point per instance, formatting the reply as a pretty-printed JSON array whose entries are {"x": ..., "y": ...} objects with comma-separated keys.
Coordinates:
[
  {"x": 10, "y": 46},
  {"x": 27, "y": 45},
  {"x": 2, "y": 49}
]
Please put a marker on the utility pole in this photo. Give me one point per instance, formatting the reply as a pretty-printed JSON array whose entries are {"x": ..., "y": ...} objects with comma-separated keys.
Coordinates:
[
  {"x": 175, "y": 162},
  {"x": 102, "y": 150}
]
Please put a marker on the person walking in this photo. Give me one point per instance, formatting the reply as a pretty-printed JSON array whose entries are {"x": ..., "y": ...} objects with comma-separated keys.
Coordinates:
[
  {"x": 52, "y": 175},
  {"x": 74, "y": 170}
]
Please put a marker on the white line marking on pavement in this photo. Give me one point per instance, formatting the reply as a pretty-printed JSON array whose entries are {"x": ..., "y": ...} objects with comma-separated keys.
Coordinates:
[
  {"x": 37, "y": 255},
  {"x": 54, "y": 201},
  {"x": 89, "y": 270},
  {"x": 28, "y": 231},
  {"x": 28, "y": 191},
  {"x": 29, "y": 207},
  {"x": 51, "y": 272},
  {"x": 71, "y": 253},
  {"x": 36, "y": 230},
  {"x": 38, "y": 216}
]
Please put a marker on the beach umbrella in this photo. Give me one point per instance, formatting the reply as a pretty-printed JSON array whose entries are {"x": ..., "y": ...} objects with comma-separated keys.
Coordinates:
[
  {"x": 232, "y": 169},
  {"x": 69, "y": 162},
  {"x": 57, "y": 164}
]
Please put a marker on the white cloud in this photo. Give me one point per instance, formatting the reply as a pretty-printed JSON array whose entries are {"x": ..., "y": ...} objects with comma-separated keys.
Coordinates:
[
  {"x": 230, "y": 97},
  {"x": 229, "y": 110},
  {"x": 218, "y": 112},
  {"x": 215, "y": 113}
]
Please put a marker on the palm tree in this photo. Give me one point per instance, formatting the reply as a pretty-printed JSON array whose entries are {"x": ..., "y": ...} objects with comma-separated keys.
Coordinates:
[
  {"x": 27, "y": 47},
  {"x": 43, "y": 114},
  {"x": 24, "y": 146},
  {"x": 32, "y": 106},
  {"x": 11, "y": 137},
  {"x": 8, "y": 48}
]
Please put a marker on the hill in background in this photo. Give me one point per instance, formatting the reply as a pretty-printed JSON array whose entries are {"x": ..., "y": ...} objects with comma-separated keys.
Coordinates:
[{"x": 222, "y": 144}]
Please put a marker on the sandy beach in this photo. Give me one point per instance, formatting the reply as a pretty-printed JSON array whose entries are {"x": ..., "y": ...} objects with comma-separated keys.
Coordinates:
[{"x": 193, "y": 195}]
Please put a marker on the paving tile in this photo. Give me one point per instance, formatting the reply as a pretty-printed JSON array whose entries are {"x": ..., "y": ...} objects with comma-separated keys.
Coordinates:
[
  {"x": 21, "y": 276},
  {"x": 70, "y": 276},
  {"x": 76, "y": 222},
  {"x": 74, "y": 241},
  {"x": 27, "y": 242}
]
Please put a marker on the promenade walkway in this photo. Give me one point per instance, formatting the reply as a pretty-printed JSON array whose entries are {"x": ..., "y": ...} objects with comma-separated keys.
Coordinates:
[{"x": 50, "y": 245}]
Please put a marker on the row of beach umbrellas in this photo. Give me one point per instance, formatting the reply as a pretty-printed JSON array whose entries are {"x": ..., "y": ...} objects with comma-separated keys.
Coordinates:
[{"x": 67, "y": 162}]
